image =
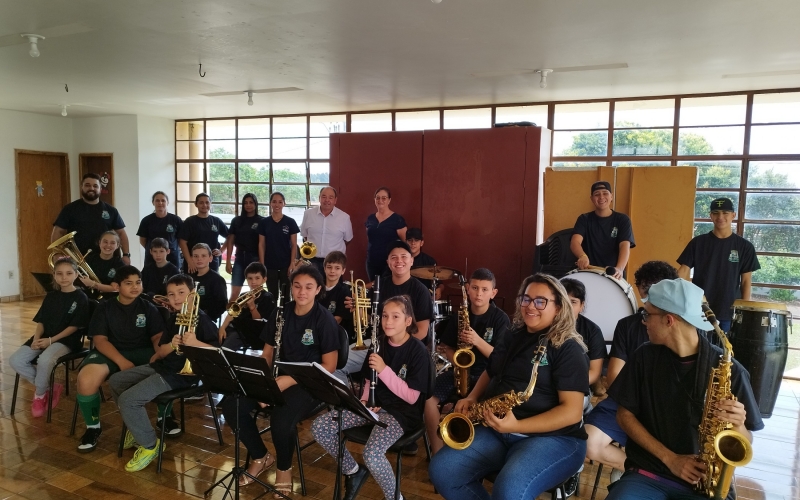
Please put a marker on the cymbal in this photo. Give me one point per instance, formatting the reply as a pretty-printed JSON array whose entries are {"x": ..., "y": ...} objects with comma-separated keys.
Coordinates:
[{"x": 434, "y": 272}]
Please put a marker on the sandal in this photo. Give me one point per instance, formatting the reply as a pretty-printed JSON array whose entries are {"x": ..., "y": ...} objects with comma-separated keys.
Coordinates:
[
  {"x": 256, "y": 468},
  {"x": 283, "y": 488}
]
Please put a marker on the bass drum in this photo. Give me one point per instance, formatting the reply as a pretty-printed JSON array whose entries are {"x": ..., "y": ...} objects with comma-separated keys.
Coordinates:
[{"x": 608, "y": 300}]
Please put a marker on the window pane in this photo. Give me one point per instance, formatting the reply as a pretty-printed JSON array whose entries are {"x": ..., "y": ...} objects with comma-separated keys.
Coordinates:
[
  {"x": 220, "y": 149},
  {"x": 773, "y": 237},
  {"x": 254, "y": 172},
  {"x": 292, "y": 126},
  {"x": 776, "y": 108},
  {"x": 579, "y": 164},
  {"x": 711, "y": 141},
  {"x": 224, "y": 212},
  {"x": 221, "y": 129},
  {"x": 313, "y": 194},
  {"x": 295, "y": 195},
  {"x": 773, "y": 206},
  {"x": 640, "y": 164},
  {"x": 416, "y": 120},
  {"x": 182, "y": 172},
  {"x": 189, "y": 150},
  {"x": 185, "y": 210},
  {"x": 260, "y": 190},
  {"x": 640, "y": 142},
  {"x": 724, "y": 110},
  {"x": 263, "y": 208},
  {"x": 224, "y": 172},
  {"x": 703, "y": 199},
  {"x": 656, "y": 113},
  {"x": 774, "y": 174},
  {"x": 707, "y": 227},
  {"x": 468, "y": 118},
  {"x": 288, "y": 148},
  {"x": 188, "y": 190},
  {"x": 778, "y": 270},
  {"x": 295, "y": 213},
  {"x": 716, "y": 174},
  {"x": 586, "y": 115},
  {"x": 254, "y": 128},
  {"x": 319, "y": 148},
  {"x": 323, "y": 126},
  {"x": 289, "y": 172},
  {"x": 535, "y": 114},
  {"x": 320, "y": 172},
  {"x": 221, "y": 193},
  {"x": 775, "y": 139},
  {"x": 375, "y": 122},
  {"x": 580, "y": 143},
  {"x": 254, "y": 148},
  {"x": 188, "y": 131}
]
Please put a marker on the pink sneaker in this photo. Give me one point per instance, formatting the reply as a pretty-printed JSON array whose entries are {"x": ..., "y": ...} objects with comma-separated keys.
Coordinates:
[
  {"x": 39, "y": 406},
  {"x": 58, "y": 389}
]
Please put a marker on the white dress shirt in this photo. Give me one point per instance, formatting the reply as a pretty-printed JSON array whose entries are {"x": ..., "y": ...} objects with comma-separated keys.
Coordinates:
[{"x": 328, "y": 233}]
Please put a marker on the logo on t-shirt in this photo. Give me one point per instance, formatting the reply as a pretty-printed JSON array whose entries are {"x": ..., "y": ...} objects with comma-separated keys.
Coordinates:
[
  {"x": 165, "y": 279},
  {"x": 332, "y": 306},
  {"x": 105, "y": 215},
  {"x": 734, "y": 256},
  {"x": 214, "y": 228},
  {"x": 170, "y": 229},
  {"x": 614, "y": 232},
  {"x": 141, "y": 320},
  {"x": 308, "y": 337},
  {"x": 254, "y": 226},
  {"x": 403, "y": 372},
  {"x": 541, "y": 363},
  {"x": 72, "y": 308},
  {"x": 488, "y": 334},
  {"x": 285, "y": 229},
  {"x": 112, "y": 272},
  {"x": 201, "y": 290}
]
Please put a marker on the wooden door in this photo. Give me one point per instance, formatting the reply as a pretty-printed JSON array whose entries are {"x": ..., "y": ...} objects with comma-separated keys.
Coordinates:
[
  {"x": 101, "y": 164},
  {"x": 42, "y": 190}
]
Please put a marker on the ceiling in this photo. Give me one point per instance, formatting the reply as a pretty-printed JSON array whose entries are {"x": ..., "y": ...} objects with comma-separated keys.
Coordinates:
[{"x": 142, "y": 57}]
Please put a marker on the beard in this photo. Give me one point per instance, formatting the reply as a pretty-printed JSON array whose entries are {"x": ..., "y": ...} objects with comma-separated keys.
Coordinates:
[{"x": 89, "y": 195}]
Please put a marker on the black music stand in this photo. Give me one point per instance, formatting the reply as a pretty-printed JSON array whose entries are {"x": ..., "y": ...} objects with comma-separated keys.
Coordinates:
[
  {"x": 324, "y": 386},
  {"x": 230, "y": 373}
]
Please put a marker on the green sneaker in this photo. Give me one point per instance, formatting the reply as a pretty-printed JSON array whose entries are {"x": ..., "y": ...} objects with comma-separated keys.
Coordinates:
[
  {"x": 130, "y": 442},
  {"x": 142, "y": 458}
]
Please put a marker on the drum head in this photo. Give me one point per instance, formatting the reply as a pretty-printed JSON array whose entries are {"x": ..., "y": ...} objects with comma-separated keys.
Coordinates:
[{"x": 608, "y": 300}]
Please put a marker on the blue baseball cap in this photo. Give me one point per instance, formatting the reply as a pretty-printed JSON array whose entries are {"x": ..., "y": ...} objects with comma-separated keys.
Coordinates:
[{"x": 682, "y": 298}]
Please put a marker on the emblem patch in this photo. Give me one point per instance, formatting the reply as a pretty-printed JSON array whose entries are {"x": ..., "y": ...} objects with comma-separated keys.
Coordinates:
[
  {"x": 141, "y": 321},
  {"x": 403, "y": 372},
  {"x": 105, "y": 215},
  {"x": 254, "y": 226},
  {"x": 308, "y": 337},
  {"x": 734, "y": 256},
  {"x": 614, "y": 232},
  {"x": 170, "y": 229},
  {"x": 488, "y": 334},
  {"x": 285, "y": 229},
  {"x": 214, "y": 228},
  {"x": 112, "y": 272},
  {"x": 201, "y": 290},
  {"x": 332, "y": 306},
  {"x": 72, "y": 308}
]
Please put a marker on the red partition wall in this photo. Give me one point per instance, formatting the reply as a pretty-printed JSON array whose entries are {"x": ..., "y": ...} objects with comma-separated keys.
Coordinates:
[{"x": 360, "y": 163}]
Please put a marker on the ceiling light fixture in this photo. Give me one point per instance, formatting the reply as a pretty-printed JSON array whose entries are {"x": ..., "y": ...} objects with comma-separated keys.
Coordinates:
[
  {"x": 63, "y": 110},
  {"x": 249, "y": 97},
  {"x": 34, "y": 41},
  {"x": 543, "y": 73}
]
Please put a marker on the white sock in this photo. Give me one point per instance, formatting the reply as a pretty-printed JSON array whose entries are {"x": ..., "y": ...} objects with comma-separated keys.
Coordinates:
[
  {"x": 95, "y": 426},
  {"x": 36, "y": 396},
  {"x": 352, "y": 471}
]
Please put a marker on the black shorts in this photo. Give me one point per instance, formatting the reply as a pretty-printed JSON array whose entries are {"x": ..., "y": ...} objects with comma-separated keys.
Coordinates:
[{"x": 140, "y": 356}]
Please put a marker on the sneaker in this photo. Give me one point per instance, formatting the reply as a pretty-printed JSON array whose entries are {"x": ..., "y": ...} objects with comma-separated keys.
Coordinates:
[
  {"x": 571, "y": 484},
  {"x": 196, "y": 397},
  {"x": 615, "y": 475},
  {"x": 58, "y": 389},
  {"x": 89, "y": 440},
  {"x": 129, "y": 442},
  {"x": 172, "y": 428},
  {"x": 411, "y": 449},
  {"x": 142, "y": 458},
  {"x": 39, "y": 406}
]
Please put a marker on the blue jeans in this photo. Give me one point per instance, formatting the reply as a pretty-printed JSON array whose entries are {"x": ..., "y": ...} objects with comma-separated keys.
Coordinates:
[
  {"x": 243, "y": 259},
  {"x": 636, "y": 486},
  {"x": 526, "y": 466},
  {"x": 725, "y": 325}
]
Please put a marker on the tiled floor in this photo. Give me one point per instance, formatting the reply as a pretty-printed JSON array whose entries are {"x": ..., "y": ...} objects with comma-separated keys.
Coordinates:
[{"x": 40, "y": 461}]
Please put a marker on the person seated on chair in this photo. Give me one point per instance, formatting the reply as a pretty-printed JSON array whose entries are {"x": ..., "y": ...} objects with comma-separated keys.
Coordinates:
[
  {"x": 126, "y": 331},
  {"x": 210, "y": 286},
  {"x": 310, "y": 334},
  {"x": 661, "y": 393},
  {"x": 245, "y": 329},
  {"x": 403, "y": 369},
  {"x": 156, "y": 274},
  {"x": 104, "y": 264},
  {"x": 134, "y": 388},
  {"x": 540, "y": 443},
  {"x": 63, "y": 312},
  {"x": 337, "y": 291},
  {"x": 589, "y": 331},
  {"x": 488, "y": 324}
]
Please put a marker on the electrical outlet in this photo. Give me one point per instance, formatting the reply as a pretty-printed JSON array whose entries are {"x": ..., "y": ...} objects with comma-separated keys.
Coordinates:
[{"x": 11, "y": 275}]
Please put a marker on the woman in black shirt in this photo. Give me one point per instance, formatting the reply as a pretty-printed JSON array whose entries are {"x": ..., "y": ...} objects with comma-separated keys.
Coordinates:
[
  {"x": 202, "y": 228},
  {"x": 243, "y": 234},
  {"x": 104, "y": 264},
  {"x": 541, "y": 442},
  {"x": 161, "y": 224},
  {"x": 591, "y": 334},
  {"x": 277, "y": 244},
  {"x": 383, "y": 227}
]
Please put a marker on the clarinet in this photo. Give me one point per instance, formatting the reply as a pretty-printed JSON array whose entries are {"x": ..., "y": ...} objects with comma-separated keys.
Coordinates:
[
  {"x": 278, "y": 332},
  {"x": 376, "y": 292}
]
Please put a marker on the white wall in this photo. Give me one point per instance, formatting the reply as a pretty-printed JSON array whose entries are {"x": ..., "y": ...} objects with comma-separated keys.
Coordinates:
[{"x": 34, "y": 132}]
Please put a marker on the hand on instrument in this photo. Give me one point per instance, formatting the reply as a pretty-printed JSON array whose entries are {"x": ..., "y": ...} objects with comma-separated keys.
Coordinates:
[
  {"x": 216, "y": 252},
  {"x": 505, "y": 425},
  {"x": 731, "y": 411},
  {"x": 251, "y": 303},
  {"x": 229, "y": 267},
  {"x": 348, "y": 303},
  {"x": 376, "y": 362},
  {"x": 88, "y": 283},
  {"x": 177, "y": 341},
  {"x": 223, "y": 334},
  {"x": 470, "y": 336},
  {"x": 617, "y": 274},
  {"x": 583, "y": 262},
  {"x": 462, "y": 406},
  {"x": 189, "y": 338},
  {"x": 687, "y": 468}
]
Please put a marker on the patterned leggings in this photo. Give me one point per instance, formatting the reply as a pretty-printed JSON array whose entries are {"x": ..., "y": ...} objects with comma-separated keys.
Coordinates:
[{"x": 325, "y": 430}]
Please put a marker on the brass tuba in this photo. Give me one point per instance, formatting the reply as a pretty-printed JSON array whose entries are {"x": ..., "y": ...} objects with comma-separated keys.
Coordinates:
[
  {"x": 307, "y": 251},
  {"x": 721, "y": 448},
  {"x": 187, "y": 319},
  {"x": 236, "y": 308},
  {"x": 361, "y": 307},
  {"x": 464, "y": 358},
  {"x": 458, "y": 430},
  {"x": 66, "y": 246}
]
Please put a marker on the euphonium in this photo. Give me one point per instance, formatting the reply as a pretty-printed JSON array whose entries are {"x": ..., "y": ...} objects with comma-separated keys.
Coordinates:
[
  {"x": 187, "y": 320},
  {"x": 721, "y": 448},
  {"x": 66, "y": 246},
  {"x": 307, "y": 251},
  {"x": 458, "y": 429},
  {"x": 464, "y": 358},
  {"x": 236, "y": 308},
  {"x": 360, "y": 311}
]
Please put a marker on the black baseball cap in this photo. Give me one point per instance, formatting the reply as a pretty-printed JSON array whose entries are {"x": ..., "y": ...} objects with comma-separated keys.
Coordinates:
[
  {"x": 722, "y": 204},
  {"x": 414, "y": 233},
  {"x": 399, "y": 244},
  {"x": 601, "y": 185}
]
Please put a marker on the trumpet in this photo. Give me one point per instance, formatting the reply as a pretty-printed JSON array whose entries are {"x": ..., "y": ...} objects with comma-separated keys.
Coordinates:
[
  {"x": 66, "y": 246},
  {"x": 307, "y": 251},
  {"x": 464, "y": 358},
  {"x": 187, "y": 320},
  {"x": 236, "y": 308},
  {"x": 360, "y": 311}
]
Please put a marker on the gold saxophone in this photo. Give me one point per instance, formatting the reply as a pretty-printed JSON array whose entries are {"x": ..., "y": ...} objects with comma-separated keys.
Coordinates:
[
  {"x": 721, "y": 448},
  {"x": 236, "y": 308},
  {"x": 360, "y": 311},
  {"x": 458, "y": 429},
  {"x": 187, "y": 319},
  {"x": 463, "y": 358}
]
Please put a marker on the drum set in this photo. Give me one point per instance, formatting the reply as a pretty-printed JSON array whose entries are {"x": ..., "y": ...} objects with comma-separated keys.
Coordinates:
[{"x": 441, "y": 308}]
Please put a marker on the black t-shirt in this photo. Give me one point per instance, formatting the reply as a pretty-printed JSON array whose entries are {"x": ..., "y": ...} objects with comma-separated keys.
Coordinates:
[
  {"x": 424, "y": 260},
  {"x": 213, "y": 292},
  {"x": 250, "y": 328},
  {"x": 166, "y": 227},
  {"x": 154, "y": 278},
  {"x": 333, "y": 301},
  {"x": 411, "y": 363},
  {"x": 169, "y": 366},
  {"x": 90, "y": 221},
  {"x": 245, "y": 231},
  {"x": 592, "y": 337},
  {"x": 127, "y": 326},
  {"x": 105, "y": 270},
  {"x": 563, "y": 369},
  {"x": 602, "y": 236},
  {"x": 381, "y": 234},
  {"x": 718, "y": 267},
  {"x": 304, "y": 339},
  {"x": 420, "y": 297},
  {"x": 207, "y": 230},
  {"x": 629, "y": 334},
  {"x": 491, "y": 325},
  {"x": 60, "y": 310},
  {"x": 655, "y": 385},
  {"x": 278, "y": 241}
]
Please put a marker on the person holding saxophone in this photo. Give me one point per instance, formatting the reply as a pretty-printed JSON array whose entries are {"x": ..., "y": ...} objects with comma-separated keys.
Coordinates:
[{"x": 532, "y": 395}]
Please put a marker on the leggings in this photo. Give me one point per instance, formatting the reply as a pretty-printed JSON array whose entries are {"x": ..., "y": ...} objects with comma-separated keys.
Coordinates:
[{"x": 326, "y": 430}]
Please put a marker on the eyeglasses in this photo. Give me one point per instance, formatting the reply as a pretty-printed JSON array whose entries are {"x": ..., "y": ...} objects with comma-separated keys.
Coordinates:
[
  {"x": 646, "y": 315},
  {"x": 382, "y": 198},
  {"x": 538, "y": 302}
]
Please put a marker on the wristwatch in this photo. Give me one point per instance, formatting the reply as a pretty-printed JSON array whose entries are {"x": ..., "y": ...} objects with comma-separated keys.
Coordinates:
[{"x": 126, "y": 255}]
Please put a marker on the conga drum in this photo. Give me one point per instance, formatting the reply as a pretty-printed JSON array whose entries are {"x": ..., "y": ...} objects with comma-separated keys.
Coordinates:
[{"x": 760, "y": 340}]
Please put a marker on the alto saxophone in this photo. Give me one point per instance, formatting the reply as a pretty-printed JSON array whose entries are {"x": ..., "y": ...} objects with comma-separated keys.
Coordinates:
[
  {"x": 464, "y": 358},
  {"x": 360, "y": 311},
  {"x": 278, "y": 333},
  {"x": 458, "y": 429},
  {"x": 721, "y": 448}
]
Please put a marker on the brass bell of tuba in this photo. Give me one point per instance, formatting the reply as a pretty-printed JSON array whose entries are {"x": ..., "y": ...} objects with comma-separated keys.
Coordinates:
[
  {"x": 236, "y": 308},
  {"x": 361, "y": 307},
  {"x": 307, "y": 251},
  {"x": 66, "y": 246},
  {"x": 187, "y": 319}
]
